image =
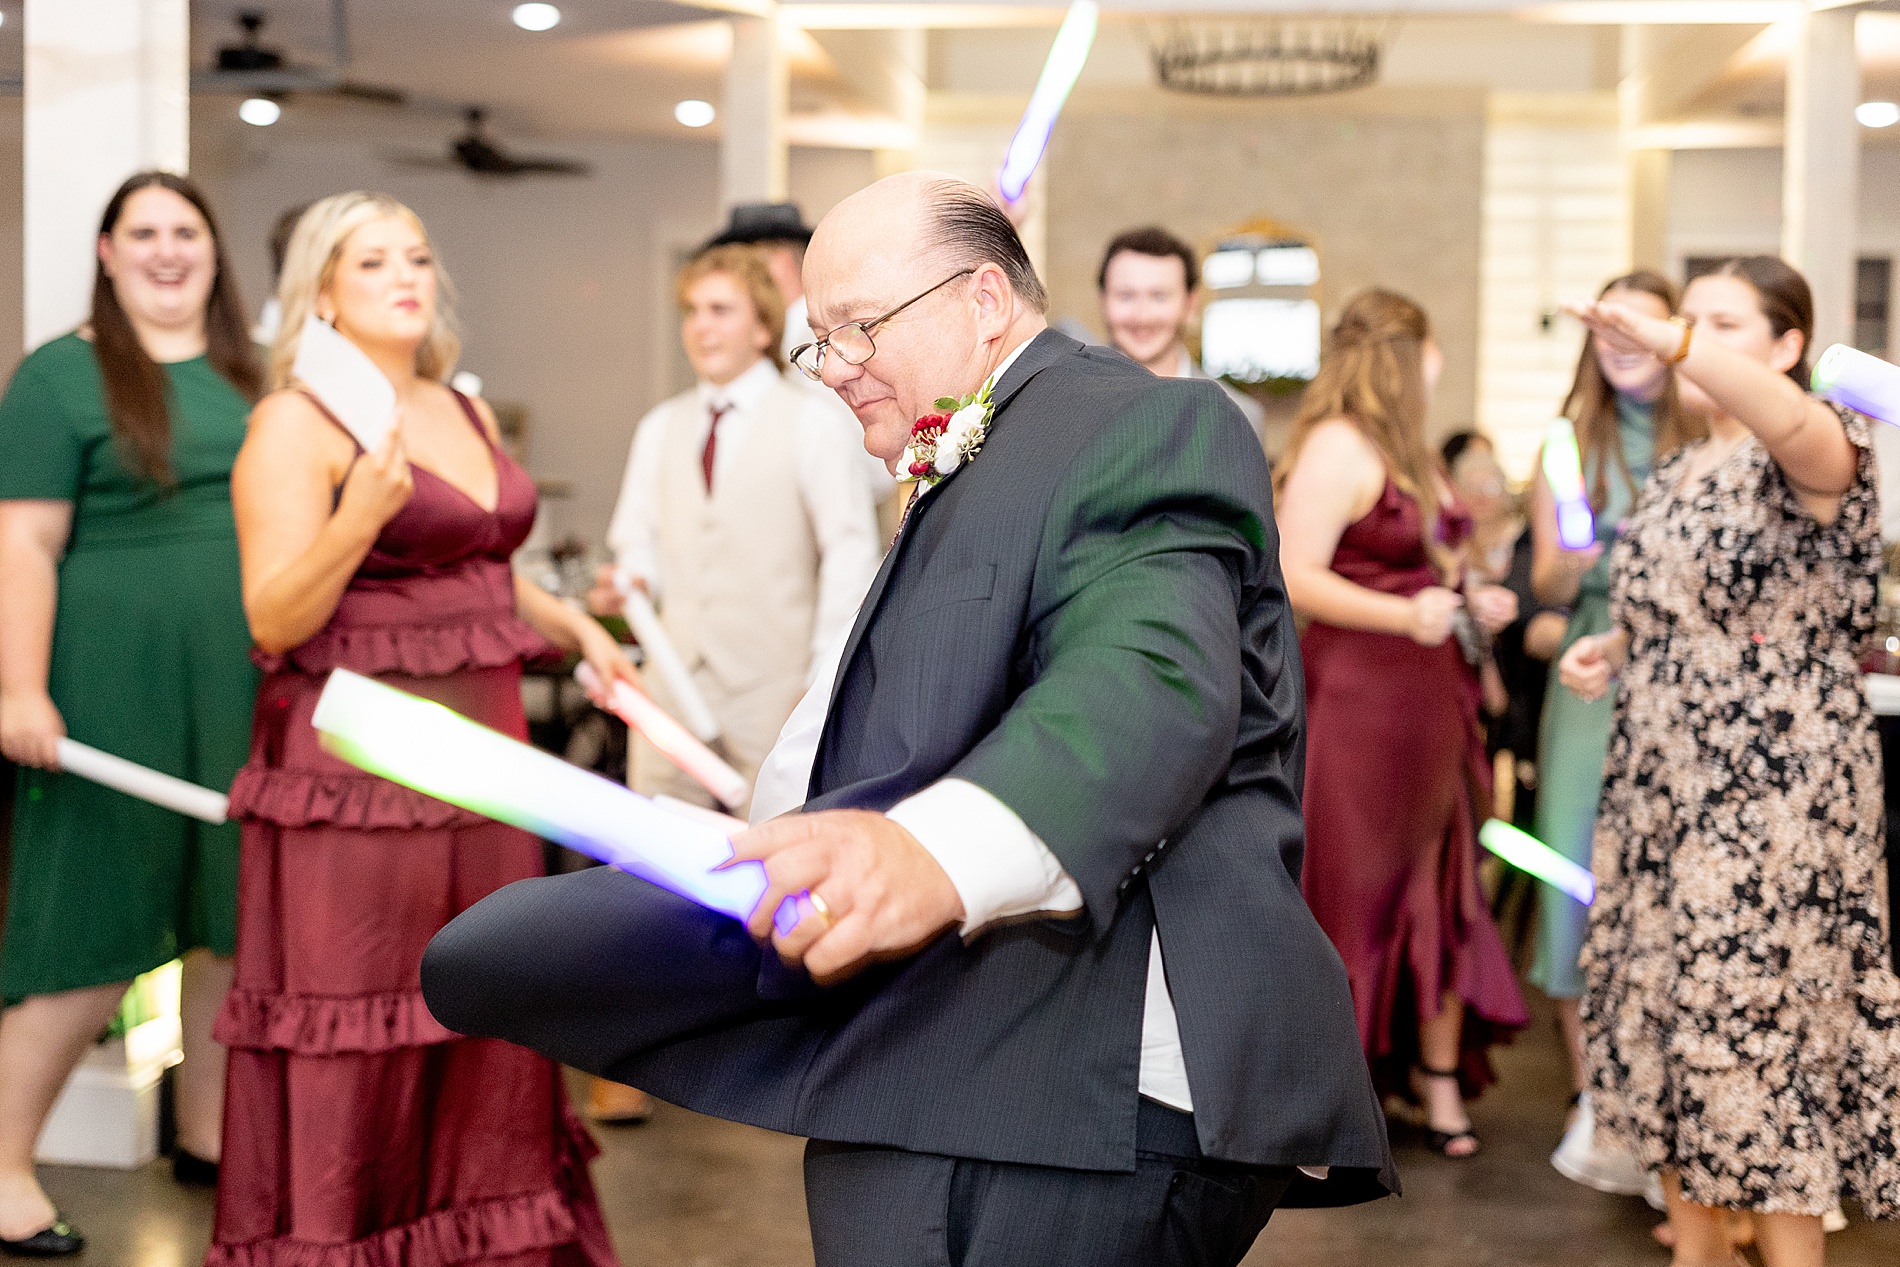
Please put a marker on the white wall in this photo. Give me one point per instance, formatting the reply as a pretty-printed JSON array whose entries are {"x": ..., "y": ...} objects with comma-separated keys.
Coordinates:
[
  {"x": 1555, "y": 229},
  {"x": 1728, "y": 202}
]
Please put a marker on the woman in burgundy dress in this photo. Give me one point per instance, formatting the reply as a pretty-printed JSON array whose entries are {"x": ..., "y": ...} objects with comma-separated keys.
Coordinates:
[
  {"x": 1395, "y": 766},
  {"x": 358, "y": 1131}
]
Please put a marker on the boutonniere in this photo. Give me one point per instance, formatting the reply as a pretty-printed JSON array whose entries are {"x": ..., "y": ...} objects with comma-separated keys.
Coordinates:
[{"x": 941, "y": 442}]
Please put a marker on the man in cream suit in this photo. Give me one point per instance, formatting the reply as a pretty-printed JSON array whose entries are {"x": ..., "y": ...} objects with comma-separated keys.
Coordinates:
[{"x": 743, "y": 514}]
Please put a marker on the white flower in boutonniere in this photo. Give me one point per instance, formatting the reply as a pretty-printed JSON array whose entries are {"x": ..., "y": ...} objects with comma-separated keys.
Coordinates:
[{"x": 943, "y": 441}]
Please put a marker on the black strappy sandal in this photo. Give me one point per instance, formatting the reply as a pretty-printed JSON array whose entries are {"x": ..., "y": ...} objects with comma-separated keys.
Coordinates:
[{"x": 1439, "y": 1141}]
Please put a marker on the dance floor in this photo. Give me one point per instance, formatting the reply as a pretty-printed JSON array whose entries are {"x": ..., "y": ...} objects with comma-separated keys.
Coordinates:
[{"x": 688, "y": 1191}]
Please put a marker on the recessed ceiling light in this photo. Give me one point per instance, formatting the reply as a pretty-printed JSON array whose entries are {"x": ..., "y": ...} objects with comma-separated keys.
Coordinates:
[
  {"x": 260, "y": 112},
  {"x": 1877, "y": 114},
  {"x": 694, "y": 114},
  {"x": 537, "y": 17}
]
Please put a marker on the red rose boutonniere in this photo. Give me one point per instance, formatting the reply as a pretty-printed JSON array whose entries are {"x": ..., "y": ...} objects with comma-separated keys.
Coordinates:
[{"x": 941, "y": 442}]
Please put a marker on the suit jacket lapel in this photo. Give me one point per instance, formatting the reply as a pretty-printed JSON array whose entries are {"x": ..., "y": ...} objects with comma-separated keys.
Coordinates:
[{"x": 1043, "y": 351}]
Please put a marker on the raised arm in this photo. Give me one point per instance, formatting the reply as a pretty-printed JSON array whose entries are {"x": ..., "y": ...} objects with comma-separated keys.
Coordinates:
[
  {"x": 1804, "y": 436},
  {"x": 299, "y": 547}
]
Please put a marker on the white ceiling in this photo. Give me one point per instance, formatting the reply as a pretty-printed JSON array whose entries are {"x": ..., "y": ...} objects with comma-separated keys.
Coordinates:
[{"x": 617, "y": 67}]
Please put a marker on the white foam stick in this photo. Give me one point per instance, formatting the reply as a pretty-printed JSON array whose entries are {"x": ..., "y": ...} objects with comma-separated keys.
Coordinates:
[
  {"x": 425, "y": 746},
  {"x": 347, "y": 382},
  {"x": 665, "y": 658},
  {"x": 699, "y": 813},
  {"x": 675, "y": 742},
  {"x": 141, "y": 781}
]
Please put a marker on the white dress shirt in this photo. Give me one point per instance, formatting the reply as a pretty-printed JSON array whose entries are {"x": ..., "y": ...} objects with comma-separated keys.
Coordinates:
[
  {"x": 829, "y": 475},
  {"x": 999, "y": 867}
]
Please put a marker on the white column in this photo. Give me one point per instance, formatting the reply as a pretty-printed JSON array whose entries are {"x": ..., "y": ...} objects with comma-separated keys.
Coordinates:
[
  {"x": 752, "y": 153},
  {"x": 107, "y": 93},
  {"x": 1820, "y": 177}
]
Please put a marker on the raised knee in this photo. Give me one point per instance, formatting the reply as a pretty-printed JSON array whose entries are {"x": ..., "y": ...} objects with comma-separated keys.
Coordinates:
[{"x": 452, "y": 976}]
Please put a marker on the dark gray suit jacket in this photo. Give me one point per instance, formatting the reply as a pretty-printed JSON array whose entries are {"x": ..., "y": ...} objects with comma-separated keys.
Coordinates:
[{"x": 1087, "y": 620}]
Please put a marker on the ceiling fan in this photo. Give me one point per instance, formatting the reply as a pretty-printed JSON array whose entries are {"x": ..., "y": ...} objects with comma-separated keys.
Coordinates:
[
  {"x": 479, "y": 154},
  {"x": 251, "y": 66}
]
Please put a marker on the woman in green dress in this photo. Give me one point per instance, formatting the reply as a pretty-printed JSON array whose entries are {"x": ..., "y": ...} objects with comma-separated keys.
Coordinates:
[
  {"x": 121, "y": 624},
  {"x": 1624, "y": 407}
]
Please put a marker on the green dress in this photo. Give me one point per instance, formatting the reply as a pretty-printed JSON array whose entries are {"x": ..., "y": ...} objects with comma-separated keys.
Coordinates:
[
  {"x": 1575, "y": 735},
  {"x": 151, "y": 662}
]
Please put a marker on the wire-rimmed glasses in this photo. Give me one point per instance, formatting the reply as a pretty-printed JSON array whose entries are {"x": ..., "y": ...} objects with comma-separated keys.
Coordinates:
[{"x": 852, "y": 341}]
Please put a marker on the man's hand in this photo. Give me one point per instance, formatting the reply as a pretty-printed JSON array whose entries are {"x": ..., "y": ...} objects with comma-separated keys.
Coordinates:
[{"x": 880, "y": 895}]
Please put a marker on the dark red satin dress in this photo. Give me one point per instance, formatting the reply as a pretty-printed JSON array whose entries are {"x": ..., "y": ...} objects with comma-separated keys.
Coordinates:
[
  {"x": 358, "y": 1132},
  {"x": 1396, "y": 784}
]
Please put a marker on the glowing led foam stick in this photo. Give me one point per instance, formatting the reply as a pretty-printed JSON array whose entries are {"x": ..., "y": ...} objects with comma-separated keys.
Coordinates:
[
  {"x": 1563, "y": 471},
  {"x": 1529, "y": 854},
  {"x": 141, "y": 781},
  {"x": 422, "y": 745},
  {"x": 665, "y": 659},
  {"x": 1059, "y": 73},
  {"x": 675, "y": 742},
  {"x": 1864, "y": 383}
]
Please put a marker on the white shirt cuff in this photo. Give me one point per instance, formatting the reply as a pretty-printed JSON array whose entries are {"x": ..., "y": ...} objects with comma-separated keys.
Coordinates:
[{"x": 998, "y": 866}]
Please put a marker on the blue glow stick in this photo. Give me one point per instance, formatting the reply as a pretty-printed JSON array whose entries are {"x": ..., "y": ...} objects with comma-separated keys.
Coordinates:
[
  {"x": 422, "y": 745},
  {"x": 1059, "y": 73},
  {"x": 1530, "y": 855},
  {"x": 1563, "y": 471},
  {"x": 1862, "y": 382}
]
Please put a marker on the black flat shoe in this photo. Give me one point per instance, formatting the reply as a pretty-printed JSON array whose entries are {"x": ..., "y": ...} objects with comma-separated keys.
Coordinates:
[
  {"x": 193, "y": 1171},
  {"x": 56, "y": 1241}
]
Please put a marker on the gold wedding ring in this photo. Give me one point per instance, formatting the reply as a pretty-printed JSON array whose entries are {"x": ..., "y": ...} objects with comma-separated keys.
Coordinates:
[{"x": 824, "y": 911}]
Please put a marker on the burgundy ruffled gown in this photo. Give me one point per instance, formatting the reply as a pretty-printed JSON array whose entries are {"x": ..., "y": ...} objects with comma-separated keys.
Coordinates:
[
  {"x": 1396, "y": 784},
  {"x": 358, "y": 1132}
]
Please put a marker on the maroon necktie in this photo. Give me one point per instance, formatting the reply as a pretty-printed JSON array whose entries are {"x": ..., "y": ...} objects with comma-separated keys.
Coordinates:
[{"x": 712, "y": 442}]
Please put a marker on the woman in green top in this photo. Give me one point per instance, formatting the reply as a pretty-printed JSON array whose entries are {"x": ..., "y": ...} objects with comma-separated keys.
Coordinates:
[
  {"x": 1624, "y": 408},
  {"x": 121, "y": 623}
]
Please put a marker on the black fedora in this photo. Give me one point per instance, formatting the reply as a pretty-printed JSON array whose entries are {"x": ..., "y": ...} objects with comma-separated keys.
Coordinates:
[{"x": 755, "y": 222}]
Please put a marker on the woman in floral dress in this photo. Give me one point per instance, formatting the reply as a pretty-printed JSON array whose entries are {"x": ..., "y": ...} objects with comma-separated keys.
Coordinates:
[{"x": 1741, "y": 1023}]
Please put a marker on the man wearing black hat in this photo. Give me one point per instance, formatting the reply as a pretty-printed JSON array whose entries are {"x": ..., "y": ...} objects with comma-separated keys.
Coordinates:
[{"x": 779, "y": 231}]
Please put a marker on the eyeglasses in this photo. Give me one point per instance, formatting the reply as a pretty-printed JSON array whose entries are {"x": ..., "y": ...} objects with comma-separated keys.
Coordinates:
[{"x": 852, "y": 341}]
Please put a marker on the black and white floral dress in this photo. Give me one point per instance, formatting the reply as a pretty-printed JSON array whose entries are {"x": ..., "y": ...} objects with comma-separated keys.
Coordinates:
[{"x": 1742, "y": 1023}]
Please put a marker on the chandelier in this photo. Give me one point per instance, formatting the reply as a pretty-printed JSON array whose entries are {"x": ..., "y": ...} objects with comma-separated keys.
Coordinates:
[{"x": 1268, "y": 57}]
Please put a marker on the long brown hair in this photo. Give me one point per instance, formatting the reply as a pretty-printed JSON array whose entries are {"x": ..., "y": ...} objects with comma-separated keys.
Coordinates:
[
  {"x": 136, "y": 387},
  {"x": 1784, "y": 297},
  {"x": 1591, "y": 404},
  {"x": 1373, "y": 375}
]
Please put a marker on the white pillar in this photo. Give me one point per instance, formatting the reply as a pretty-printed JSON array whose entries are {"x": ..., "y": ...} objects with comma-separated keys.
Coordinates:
[
  {"x": 1820, "y": 177},
  {"x": 107, "y": 93},
  {"x": 752, "y": 153}
]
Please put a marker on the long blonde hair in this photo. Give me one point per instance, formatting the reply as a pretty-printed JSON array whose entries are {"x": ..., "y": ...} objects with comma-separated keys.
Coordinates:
[
  {"x": 1373, "y": 375},
  {"x": 310, "y": 265},
  {"x": 1591, "y": 404}
]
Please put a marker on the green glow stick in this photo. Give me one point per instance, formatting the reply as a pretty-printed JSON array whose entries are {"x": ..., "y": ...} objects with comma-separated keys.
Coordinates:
[{"x": 1529, "y": 854}]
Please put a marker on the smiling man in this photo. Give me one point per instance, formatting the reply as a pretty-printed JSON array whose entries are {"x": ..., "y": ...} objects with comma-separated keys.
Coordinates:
[
  {"x": 1053, "y": 997},
  {"x": 743, "y": 514},
  {"x": 1151, "y": 287}
]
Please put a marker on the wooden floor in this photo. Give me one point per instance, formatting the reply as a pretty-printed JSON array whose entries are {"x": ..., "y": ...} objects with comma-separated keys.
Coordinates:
[{"x": 688, "y": 1191}]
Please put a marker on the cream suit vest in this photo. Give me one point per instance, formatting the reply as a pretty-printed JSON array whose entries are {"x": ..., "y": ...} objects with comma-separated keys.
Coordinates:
[{"x": 740, "y": 565}]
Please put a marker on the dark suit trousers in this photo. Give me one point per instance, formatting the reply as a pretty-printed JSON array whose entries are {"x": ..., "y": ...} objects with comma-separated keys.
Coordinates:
[{"x": 875, "y": 1207}]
